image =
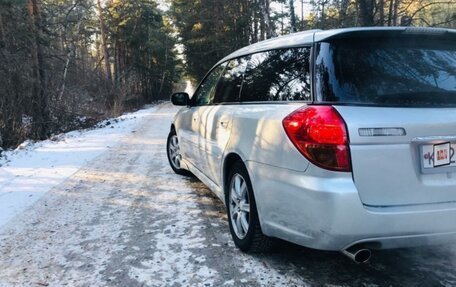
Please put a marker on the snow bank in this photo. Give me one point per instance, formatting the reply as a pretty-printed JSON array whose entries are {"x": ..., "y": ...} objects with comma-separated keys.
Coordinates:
[{"x": 33, "y": 169}]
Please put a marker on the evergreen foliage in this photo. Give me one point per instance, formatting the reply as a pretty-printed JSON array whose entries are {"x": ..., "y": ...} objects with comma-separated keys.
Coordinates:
[{"x": 67, "y": 63}]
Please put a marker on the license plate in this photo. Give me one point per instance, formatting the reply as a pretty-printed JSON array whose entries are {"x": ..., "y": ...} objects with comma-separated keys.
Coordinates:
[{"x": 438, "y": 155}]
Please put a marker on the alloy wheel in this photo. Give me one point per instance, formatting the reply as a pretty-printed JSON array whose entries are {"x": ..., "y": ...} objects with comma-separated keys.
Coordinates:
[
  {"x": 239, "y": 206},
  {"x": 174, "y": 152}
]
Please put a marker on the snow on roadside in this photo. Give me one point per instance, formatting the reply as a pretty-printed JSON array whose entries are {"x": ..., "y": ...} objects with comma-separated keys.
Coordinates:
[{"x": 30, "y": 171}]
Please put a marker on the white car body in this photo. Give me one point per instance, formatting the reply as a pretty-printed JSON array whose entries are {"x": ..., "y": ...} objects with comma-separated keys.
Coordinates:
[{"x": 388, "y": 199}]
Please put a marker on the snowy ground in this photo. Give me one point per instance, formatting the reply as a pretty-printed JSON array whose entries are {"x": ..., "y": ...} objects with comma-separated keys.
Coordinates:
[
  {"x": 103, "y": 208},
  {"x": 29, "y": 172}
]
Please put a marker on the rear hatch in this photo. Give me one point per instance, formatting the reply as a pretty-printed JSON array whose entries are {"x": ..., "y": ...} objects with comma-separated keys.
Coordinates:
[{"x": 397, "y": 95}]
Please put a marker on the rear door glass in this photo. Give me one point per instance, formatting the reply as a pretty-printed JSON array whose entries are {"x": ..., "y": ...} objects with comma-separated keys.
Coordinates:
[
  {"x": 390, "y": 72},
  {"x": 229, "y": 86},
  {"x": 278, "y": 75}
]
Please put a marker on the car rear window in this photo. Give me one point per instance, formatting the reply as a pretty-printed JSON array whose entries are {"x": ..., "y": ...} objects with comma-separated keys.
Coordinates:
[{"x": 391, "y": 72}]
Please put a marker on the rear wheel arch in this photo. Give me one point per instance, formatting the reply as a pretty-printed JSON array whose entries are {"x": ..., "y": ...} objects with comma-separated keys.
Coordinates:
[
  {"x": 228, "y": 164},
  {"x": 230, "y": 160}
]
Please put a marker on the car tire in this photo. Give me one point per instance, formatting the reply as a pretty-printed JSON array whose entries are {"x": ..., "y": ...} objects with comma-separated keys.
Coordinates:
[
  {"x": 174, "y": 155},
  {"x": 242, "y": 213}
]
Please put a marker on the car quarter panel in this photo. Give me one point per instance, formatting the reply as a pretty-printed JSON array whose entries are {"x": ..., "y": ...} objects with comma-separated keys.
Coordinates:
[{"x": 257, "y": 135}]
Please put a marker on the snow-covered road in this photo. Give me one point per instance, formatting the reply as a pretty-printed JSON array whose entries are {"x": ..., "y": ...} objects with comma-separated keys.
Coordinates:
[{"x": 124, "y": 218}]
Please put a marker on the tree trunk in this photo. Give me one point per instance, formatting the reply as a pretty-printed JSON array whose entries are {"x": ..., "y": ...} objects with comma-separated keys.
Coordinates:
[
  {"x": 245, "y": 26},
  {"x": 116, "y": 63},
  {"x": 262, "y": 21},
  {"x": 381, "y": 15},
  {"x": 65, "y": 72},
  {"x": 71, "y": 50},
  {"x": 159, "y": 96},
  {"x": 269, "y": 26},
  {"x": 366, "y": 12},
  {"x": 84, "y": 56},
  {"x": 255, "y": 22},
  {"x": 281, "y": 22},
  {"x": 104, "y": 44},
  {"x": 390, "y": 13},
  {"x": 292, "y": 17},
  {"x": 343, "y": 12},
  {"x": 396, "y": 5},
  {"x": 40, "y": 105},
  {"x": 323, "y": 16}
]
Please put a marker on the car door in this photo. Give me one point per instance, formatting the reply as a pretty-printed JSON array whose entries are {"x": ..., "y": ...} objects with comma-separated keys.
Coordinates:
[
  {"x": 194, "y": 128},
  {"x": 186, "y": 134},
  {"x": 217, "y": 117}
]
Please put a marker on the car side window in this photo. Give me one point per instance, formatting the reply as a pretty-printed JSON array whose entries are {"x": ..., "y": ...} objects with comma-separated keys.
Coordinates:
[
  {"x": 278, "y": 75},
  {"x": 206, "y": 91},
  {"x": 229, "y": 86}
]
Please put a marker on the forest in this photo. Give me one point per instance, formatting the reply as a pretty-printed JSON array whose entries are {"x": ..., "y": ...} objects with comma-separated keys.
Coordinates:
[{"x": 67, "y": 64}]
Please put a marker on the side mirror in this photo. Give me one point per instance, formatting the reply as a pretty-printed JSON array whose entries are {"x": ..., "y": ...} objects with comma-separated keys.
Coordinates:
[{"x": 180, "y": 99}]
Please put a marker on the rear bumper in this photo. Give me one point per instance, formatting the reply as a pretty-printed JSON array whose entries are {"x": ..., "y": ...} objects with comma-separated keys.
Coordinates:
[{"x": 324, "y": 211}]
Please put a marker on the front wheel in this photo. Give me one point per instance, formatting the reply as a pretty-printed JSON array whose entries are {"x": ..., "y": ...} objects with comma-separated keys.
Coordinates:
[
  {"x": 174, "y": 154},
  {"x": 242, "y": 213}
]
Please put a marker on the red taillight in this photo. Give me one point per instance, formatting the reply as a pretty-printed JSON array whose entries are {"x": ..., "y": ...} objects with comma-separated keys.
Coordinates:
[{"x": 320, "y": 134}]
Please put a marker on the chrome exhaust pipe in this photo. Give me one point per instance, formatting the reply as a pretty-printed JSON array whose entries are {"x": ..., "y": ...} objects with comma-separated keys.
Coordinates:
[{"x": 357, "y": 254}]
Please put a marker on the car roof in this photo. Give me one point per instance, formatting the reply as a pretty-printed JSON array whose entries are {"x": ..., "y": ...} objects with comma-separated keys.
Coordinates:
[{"x": 311, "y": 36}]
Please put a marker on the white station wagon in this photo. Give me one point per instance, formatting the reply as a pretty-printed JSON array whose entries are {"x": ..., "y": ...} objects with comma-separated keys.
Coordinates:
[{"x": 335, "y": 140}]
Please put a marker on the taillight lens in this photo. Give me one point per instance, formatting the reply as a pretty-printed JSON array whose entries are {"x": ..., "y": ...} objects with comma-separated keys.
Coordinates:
[{"x": 320, "y": 134}]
